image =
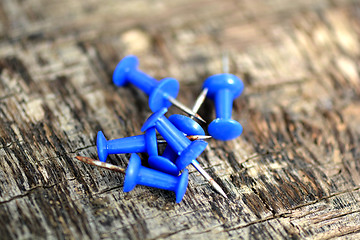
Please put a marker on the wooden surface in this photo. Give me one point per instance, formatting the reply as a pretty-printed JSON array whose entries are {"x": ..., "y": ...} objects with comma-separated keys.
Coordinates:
[{"x": 293, "y": 174}]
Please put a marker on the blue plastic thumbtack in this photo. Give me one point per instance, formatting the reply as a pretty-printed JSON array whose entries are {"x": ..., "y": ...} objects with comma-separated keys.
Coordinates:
[
  {"x": 223, "y": 89},
  {"x": 161, "y": 93},
  {"x": 137, "y": 174},
  {"x": 165, "y": 163},
  {"x": 135, "y": 144},
  {"x": 189, "y": 127},
  {"x": 126, "y": 72},
  {"x": 186, "y": 149}
]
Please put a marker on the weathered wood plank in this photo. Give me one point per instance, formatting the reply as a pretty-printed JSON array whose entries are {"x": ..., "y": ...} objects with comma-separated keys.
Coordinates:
[{"x": 293, "y": 174}]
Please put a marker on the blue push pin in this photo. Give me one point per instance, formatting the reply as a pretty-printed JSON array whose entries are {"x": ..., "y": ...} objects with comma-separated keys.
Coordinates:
[
  {"x": 135, "y": 144},
  {"x": 223, "y": 89},
  {"x": 189, "y": 127},
  {"x": 161, "y": 93},
  {"x": 186, "y": 149},
  {"x": 165, "y": 163},
  {"x": 137, "y": 174}
]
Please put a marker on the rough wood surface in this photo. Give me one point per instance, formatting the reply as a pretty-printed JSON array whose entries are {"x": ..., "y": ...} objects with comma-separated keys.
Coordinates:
[{"x": 293, "y": 174}]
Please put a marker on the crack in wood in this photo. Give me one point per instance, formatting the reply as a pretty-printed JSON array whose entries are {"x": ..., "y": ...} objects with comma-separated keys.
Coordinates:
[{"x": 33, "y": 190}]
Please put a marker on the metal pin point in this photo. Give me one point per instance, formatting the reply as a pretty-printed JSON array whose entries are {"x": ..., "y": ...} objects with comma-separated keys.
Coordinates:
[
  {"x": 217, "y": 187},
  {"x": 100, "y": 164},
  {"x": 202, "y": 171},
  {"x": 181, "y": 106},
  {"x": 225, "y": 62},
  {"x": 198, "y": 137},
  {"x": 200, "y": 99}
]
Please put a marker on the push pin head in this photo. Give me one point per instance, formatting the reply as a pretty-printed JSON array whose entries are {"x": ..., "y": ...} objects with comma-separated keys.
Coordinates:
[
  {"x": 218, "y": 82},
  {"x": 127, "y": 64},
  {"x": 223, "y": 89},
  {"x": 225, "y": 129},
  {"x": 137, "y": 174},
  {"x": 151, "y": 142},
  {"x": 159, "y": 97},
  {"x": 101, "y": 146},
  {"x": 186, "y": 125}
]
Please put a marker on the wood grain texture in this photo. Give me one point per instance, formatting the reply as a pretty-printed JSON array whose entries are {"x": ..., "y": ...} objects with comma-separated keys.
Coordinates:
[{"x": 293, "y": 174}]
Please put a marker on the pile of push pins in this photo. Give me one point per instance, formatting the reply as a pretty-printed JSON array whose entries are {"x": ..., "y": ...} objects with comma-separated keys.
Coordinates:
[{"x": 184, "y": 136}]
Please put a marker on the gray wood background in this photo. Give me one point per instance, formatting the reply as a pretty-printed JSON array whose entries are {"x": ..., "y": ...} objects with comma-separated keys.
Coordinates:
[{"x": 293, "y": 174}]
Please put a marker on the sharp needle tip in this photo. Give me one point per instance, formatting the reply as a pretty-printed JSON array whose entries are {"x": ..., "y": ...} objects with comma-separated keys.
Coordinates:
[
  {"x": 200, "y": 118},
  {"x": 98, "y": 163},
  {"x": 224, "y": 195},
  {"x": 218, "y": 188},
  {"x": 201, "y": 137},
  {"x": 198, "y": 137},
  {"x": 212, "y": 182},
  {"x": 181, "y": 106}
]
